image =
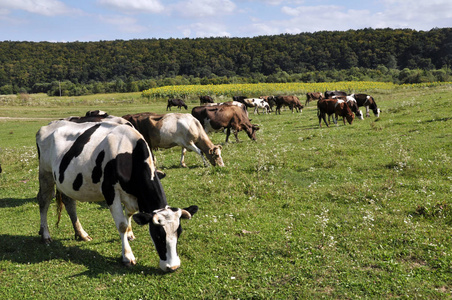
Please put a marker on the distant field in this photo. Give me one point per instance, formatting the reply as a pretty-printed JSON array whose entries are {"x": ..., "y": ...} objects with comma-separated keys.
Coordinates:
[{"x": 356, "y": 211}]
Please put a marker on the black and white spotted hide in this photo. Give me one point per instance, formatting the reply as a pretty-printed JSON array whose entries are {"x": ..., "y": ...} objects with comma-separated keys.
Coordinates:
[{"x": 96, "y": 161}]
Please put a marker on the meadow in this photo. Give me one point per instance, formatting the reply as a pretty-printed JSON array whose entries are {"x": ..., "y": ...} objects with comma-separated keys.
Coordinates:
[{"x": 346, "y": 212}]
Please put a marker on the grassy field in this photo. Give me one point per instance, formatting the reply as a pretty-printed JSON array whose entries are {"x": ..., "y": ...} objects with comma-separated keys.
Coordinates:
[{"x": 346, "y": 212}]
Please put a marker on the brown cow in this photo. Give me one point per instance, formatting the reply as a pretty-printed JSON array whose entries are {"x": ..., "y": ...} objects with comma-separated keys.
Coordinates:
[
  {"x": 291, "y": 101},
  {"x": 216, "y": 118},
  {"x": 312, "y": 96},
  {"x": 176, "y": 129},
  {"x": 330, "y": 94},
  {"x": 205, "y": 99},
  {"x": 336, "y": 107},
  {"x": 176, "y": 102}
]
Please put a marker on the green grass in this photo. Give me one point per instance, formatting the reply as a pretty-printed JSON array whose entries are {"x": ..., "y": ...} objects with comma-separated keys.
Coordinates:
[{"x": 360, "y": 211}]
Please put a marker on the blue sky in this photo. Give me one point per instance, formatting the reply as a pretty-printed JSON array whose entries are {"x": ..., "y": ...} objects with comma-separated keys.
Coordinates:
[{"x": 83, "y": 20}]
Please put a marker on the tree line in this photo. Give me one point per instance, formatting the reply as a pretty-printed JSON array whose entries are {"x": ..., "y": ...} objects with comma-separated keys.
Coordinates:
[{"x": 78, "y": 68}]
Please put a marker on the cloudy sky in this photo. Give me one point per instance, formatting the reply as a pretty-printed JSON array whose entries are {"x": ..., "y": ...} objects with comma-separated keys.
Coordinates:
[{"x": 94, "y": 20}]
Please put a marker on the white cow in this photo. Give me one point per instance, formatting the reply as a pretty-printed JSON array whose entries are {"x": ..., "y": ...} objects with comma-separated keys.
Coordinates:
[
  {"x": 177, "y": 129},
  {"x": 257, "y": 103},
  {"x": 107, "y": 161}
]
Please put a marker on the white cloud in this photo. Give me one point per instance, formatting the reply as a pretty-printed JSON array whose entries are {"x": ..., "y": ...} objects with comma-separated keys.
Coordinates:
[
  {"x": 41, "y": 7},
  {"x": 140, "y": 6},
  {"x": 269, "y": 28},
  {"x": 415, "y": 14},
  {"x": 204, "y": 8},
  {"x": 200, "y": 30},
  {"x": 123, "y": 24}
]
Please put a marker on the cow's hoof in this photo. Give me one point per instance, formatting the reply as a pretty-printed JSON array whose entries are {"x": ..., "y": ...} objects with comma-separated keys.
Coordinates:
[
  {"x": 130, "y": 263},
  {"x": 46, "y": 241},
  {"x": 85, "y": 238}
]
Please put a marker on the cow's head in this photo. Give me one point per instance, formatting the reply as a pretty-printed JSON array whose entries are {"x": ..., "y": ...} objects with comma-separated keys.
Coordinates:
[
  {"x": 214, "y": 156},
  {"x": 373, "y": 106},
  {"x": 251, "y": 131},
  {"x": 348, "y": 113},
  {"x": 165, "y": 229}
]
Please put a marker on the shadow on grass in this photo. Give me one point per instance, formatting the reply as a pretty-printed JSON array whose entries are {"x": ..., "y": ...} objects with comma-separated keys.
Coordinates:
[
  {"x": 14, "y": 202},
  {"x": 31, "y": 250}
]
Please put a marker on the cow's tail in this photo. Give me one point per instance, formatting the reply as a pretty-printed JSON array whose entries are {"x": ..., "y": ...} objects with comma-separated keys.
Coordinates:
[{"x": 59, "y": 203}]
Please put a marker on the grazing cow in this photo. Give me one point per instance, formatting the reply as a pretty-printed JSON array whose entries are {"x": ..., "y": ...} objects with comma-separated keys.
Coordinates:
[
  {"x": 97, "y": 161},
  {"x": 354, "y": 107},
  {"x": 330, "y": 94},
  {"x": 291, "y": 101},
  {"x": 205, "y": 99},
  {"x": 216, "y": 118},
  {"x": 176, "y": 102},
  {"x": 351, "y": 102},
  {"x": 239, "y": 99},
  {"x": 97, "y": 116},
  {"x": 236, "y": 103},
  {"x": 270, "y": 100},
  {"x": 336, "y": 107},
  {"x": 368, "y": 102},
  {"x": 257, "y": 103},
  {"x": 176, "y": 129},
  {"x": 312, "y": 96}
]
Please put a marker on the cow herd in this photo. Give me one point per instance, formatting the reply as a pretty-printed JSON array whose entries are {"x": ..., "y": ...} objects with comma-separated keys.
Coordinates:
[{"x": 99, "y": 157}]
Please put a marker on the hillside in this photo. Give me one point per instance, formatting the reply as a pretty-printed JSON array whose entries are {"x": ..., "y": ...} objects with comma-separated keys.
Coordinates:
[{"x": 29, "y": 65}]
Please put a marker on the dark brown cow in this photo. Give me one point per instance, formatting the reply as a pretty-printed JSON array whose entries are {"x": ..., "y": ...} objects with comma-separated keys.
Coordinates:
[
  {"x": 205, "y": 99},
  {"x": 312, "y": 96},
  {"x": 270, "y": 100},
  {"x": 176, "y": 102},
  {"x": 216, "y": 118},
  {"x": 97, "y": 116},
  {"x": 336, "y": 107},
  {"x": 239, "y": 98},
  {"x": 368, "y": 102},
  {"x": 351, "y": 102},
  {"x": 330, "y": 94},
  {"x": 291, "y": 101}
]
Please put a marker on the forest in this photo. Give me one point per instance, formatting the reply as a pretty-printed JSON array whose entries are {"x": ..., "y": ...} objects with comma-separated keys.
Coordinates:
[{"x": 79, "y": 68}]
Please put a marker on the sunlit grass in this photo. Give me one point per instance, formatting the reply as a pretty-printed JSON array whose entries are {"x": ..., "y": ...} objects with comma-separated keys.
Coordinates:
[{"x": 360, "y": 211}]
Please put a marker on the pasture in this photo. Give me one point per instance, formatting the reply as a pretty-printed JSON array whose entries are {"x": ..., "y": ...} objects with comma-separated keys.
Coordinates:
[{"x": 346, "y": 212}]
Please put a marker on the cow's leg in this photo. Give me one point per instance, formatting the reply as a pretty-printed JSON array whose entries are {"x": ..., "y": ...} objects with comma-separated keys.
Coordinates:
[
  {"x": 45, "y": 195},
  {"x": 236, "y": 134},
  {"x": 182, "y": 157},
  {"x": 130, "y": 235},
  {"x": 324, "y": 119},
  {"x": 194, "y": 148},
  {"x": 71, "y": 208},
  {"x": 367, "y": 111},
  {"x": 228, "y": 133},
  {"x": 122, "y": 225}
]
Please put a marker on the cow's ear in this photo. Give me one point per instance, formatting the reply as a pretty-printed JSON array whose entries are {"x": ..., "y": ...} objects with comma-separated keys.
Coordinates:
[
  {"x": 191, "y": 211},
  {"x": 142, "y": 218},
  {"x": 160, "y": 174}
]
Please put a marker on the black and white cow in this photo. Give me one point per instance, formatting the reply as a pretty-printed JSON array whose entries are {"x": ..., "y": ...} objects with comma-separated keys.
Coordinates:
[
  {"x": 97, "y": 161},
  {"x": 368, "y": 102}
]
